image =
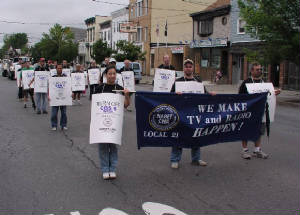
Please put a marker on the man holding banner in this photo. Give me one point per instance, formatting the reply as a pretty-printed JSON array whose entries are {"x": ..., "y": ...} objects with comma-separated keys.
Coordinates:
[
  {"x": 108, "y": 133},
  {"x": 198, "y": 88},
  {"x": 41, "y": 75},
  {"x": 256, "y": 77}
]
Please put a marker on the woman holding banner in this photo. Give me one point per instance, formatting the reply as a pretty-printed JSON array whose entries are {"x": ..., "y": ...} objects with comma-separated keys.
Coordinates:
[{"x": 108, "y": 152}]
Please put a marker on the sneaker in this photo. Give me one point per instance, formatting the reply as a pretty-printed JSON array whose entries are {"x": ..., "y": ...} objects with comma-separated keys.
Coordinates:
[
  {"x": 34, "y": 107},
  {"x": 45, "y": 112},
  {"x": 246, "y": 155},
  {"x": 260, "y": 154},
  {"x": 105, "y": 175},
  {"x": 112, "y": 175},
  {"x": 79, "y": 102},
  {"x": 174, "y": 165},
  {"x": 199, "y": 163},
  {"x": 53, "y": 128},
  {"x": 64, "y": 128},
  {"x": 25, "y": 106},
  {"x": 38, "y": 112}
]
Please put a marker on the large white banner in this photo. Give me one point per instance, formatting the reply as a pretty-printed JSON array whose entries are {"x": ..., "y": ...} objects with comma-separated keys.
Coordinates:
[
  {"x": 78, "y": 82},
  {"x": 53, "y": 72},
  {"x": 107, "y": 118},
  {"x": 66, "y": 72},
  {"x": 60, "y": 92},
  {"x": 94, "y": 75},
  {"x": 128, "y": 80},
  {"x": 27, "y": 76},
  {"x": 163, "y": 80},
  {"x": 271, "y": 100},
  {"x": 41, "y": 81},
  {"x": 189, "y": 87}
]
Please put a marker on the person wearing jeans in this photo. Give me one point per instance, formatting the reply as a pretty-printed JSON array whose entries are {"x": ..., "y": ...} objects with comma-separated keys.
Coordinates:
[
  {"x": 63, "y": 117},
  {"x": 177, "y": 152},
  {"x": 108, "y": 154}
]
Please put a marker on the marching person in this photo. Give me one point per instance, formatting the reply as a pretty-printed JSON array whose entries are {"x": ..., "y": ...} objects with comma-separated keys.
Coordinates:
[
  {"x": 166, "y": 64},
  {"x": 63, "y": 109},
  {"x": 188, "y": 67},
  {"x": 108, "y": 152},
  {"x": 30, "y": 91},
  {"x": 41, "y": 98},
  {"x": 76, "y": 94},
  {"x": 65, "y": 64},
  {"x": 126, "y": 67},
  {"x": 112, "y": 63},
  {"x": 256, "y": 77},
  {"x": 20, "y": 92},
  {"x": 92, "y": 86}
]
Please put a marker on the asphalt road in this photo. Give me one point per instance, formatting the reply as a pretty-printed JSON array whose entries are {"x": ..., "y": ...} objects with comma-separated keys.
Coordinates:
[{"x": 46, "y": 172}]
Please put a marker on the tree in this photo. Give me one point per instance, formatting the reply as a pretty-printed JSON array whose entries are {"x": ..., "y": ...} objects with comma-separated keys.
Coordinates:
[
  {"x": 127, "y": 50},
  {"x": 16, "y": 41},
  {"x": 57, "y": 45},
  {"x": 100, "y": 50},
  {"x": 276, "y": 24}
]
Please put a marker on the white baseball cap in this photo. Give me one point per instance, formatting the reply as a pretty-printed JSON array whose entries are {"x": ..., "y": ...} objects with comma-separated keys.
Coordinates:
[{"x": 112, "y": 60}]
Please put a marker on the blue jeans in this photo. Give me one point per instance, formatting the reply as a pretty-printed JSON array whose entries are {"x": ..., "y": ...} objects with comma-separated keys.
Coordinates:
[
  {"x": 63, "y": 117},
  {"x": 177, "y": 152},
  {"x": 108, "y": 154},
  {"x": 41, "y": 101}
]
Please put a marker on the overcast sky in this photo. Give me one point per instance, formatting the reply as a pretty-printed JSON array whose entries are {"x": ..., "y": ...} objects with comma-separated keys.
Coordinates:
[{"x": 49, "y": 11}]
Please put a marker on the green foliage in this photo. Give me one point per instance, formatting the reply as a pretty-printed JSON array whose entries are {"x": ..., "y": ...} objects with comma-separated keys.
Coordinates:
[
  {"x": 100, "y": 50},
  {"x": 127, "y": 50},
  {"x": 16, "y": 41},
  {"x": 276, "y": 23},
  {"x": 56, "y": 45}
]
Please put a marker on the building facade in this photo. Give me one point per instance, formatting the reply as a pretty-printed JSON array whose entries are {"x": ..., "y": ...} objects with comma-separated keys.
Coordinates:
[
  {"x": 106, "y": 32},
  {"x": 162, "y": 24},
  {"x": 119, "y": 17}
]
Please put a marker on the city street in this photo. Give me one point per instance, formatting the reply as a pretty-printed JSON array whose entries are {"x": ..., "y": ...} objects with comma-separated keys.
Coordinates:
[{"x": 55, "y": 172}]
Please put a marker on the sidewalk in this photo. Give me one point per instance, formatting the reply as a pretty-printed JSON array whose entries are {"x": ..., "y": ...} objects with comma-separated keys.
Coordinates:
[{"x": 286, "y": 97}]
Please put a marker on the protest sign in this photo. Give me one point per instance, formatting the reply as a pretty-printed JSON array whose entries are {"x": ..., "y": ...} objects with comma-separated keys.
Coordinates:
[
  {"x": 261, "y": 88},
  {"x": 128, "y": 80},
  {"x": 53, "y": 72},
  {"x": 94, "y": 75},
  {"x": 41, "y": 81},
  {"x": 60, "y": 92},
  {"x": 163, "y": 80},
  {"x": 189, "y": 87},
  {"x": 196, "y": 120},
  {"x": 66, "y": 72},
  {"x": 78, "y": 82},
  {"x": 27, "y": 76},
  {"x": 106, "y": 118}
]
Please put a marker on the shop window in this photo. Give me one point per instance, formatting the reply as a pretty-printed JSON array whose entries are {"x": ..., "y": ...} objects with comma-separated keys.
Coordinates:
[
  {"x": 205, "y": 57},
  {"x": 216, "y": 58}
]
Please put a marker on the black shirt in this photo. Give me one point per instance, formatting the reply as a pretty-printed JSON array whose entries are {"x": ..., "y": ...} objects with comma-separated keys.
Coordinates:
[
  {"x": 107, "y": 88},
  {"x": 163, "y": 66},
  {"x": 62, "y": 75},
  {"x": 125, "y": 69},
  {"x": 186, "y": 79},
  {"x": 75, "y": 71},
  {"x": 40, "y": 68},
  {"x": 243, "y": 88}
]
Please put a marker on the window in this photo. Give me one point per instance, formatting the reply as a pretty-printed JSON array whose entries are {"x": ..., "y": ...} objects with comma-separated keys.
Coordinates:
[
  {"x": 216, "y": 58},
  {"x": 205, "y": 27},
  {"x": 131, "y": 12},
  {"x": 146, "y": 34},
  {"x": 139, "y": 8},
  {"x": 91, "y": 35},
  {"x": 241, "y": 26},
  {"x": 146, "y": 6},
  {"x": 118, "y": 27},
  {"x": 104, "y": 35},
  {"x": 108, "y": 35},
  {"x": 139, "y": 34},
  {"x": 205, "y": 57}
]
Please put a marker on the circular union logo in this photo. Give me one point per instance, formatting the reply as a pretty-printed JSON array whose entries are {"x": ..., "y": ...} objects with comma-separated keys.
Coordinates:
[
  {"x": 107, "y": 122},
  {"x": 163, "y": 118}
]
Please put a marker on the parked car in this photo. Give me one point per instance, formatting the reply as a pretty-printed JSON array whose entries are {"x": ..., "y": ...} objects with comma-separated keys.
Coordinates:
[{"x": 136, "y": 68}]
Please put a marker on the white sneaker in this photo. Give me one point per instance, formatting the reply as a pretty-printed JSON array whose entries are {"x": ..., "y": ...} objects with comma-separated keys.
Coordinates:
[
  {"x": 79, "y": 102},
  {"x": 54, "y": 129},
  {"x": 65, "y": 128},
  {"x": 174, "y": 165},
  {"x": 112, "y": 175},
  {"x": 105, "y": 175}
]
